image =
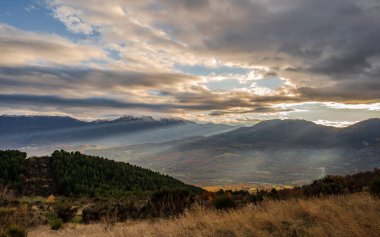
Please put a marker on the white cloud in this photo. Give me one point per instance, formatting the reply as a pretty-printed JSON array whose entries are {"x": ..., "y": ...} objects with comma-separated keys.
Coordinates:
[
  {"x": 70, "y": 17},
  {"x": 371, "y": 107},
  {"x": 338, "y": 124},
  {"x": 19, "y": 47}
]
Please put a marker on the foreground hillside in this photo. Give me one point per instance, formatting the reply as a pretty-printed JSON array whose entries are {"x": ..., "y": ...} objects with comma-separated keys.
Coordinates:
[
  {"x": 350, "y": 215},
  {"x": 102, "y": 193}
]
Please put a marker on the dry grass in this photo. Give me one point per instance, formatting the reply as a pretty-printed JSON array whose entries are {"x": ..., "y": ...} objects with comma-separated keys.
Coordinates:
[{"x": 352, "y": 215}]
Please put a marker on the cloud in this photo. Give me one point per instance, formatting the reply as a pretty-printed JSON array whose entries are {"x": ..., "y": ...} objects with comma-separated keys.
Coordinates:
[
  {"x": 349, "y": 91},
  {"x": 25, "y": 100},
  {"x": 82, "y": 81},
  {"x": 325, "y": 41},
  {"x": 173, "y": 92},
  {"x": 20, "y": 48},
  {"x": 56, "y": 101},
  {"x": 259, "y": 109},
  {"x": 69, "y": 16},
  {"x": 335, "y": 123}
]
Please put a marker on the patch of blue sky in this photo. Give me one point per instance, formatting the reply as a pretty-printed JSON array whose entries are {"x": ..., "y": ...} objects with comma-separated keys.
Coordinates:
[
  {"x": 33, "y": 15},
  {"x": 201, "y": 70},
  {"x": 227, "y": 84},
  {"x": 271, "y": 82},
  {"x": 98, "y": 62},
  {"x": 158, "y": 93},
  {"x": 114, "y": 54}
]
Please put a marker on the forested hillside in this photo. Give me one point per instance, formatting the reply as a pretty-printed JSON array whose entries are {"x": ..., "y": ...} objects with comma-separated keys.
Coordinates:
[{"x": 76, "y": 174}]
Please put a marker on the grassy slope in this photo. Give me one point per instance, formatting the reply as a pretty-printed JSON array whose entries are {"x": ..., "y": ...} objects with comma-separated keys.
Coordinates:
[{"x": 351, "y": 215}]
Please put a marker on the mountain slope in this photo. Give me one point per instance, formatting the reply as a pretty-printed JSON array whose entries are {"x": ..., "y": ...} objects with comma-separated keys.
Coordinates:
[{"x": 365, "y": 133}]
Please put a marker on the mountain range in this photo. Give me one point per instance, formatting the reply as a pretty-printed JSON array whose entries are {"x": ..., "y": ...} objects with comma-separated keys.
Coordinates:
[
  {"x": 296, "y": 133},
  {"x": 51, "y": 131},
  {"x": 274, "y": 151}
]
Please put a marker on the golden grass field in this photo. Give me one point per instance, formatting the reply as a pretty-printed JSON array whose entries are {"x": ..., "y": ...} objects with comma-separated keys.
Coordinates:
[
  {"x": 252, "y": 188},
  {"x": 351, "y": 215}
]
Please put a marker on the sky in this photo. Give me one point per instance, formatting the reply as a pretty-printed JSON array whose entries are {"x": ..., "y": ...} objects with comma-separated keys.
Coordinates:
[{"x": 220, "y": 61}]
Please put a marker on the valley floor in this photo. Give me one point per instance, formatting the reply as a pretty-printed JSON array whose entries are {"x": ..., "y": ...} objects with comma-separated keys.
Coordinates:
[{"x": 351, "y": 215}]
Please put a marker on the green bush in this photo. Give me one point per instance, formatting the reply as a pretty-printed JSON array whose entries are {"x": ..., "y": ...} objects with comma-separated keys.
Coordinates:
[
  {"x": 256, "y": 198},
  {"x": 5, "y": 213},
  {"x": 56, "y": 223},
  {"x": 77, "y": 220},
  {"x": 16, "y": 231},
  {"x": 374, "y": 187},
  {"x": 65, "y": 211},
  {"x": 93, "y": 213},
  {"x": 170, "y": 202},
  {"x": 224, "y": 202}
]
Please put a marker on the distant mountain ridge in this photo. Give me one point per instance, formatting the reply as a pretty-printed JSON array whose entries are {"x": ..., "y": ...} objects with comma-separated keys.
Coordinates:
[
  {"x": 23, "y": 124},
  {"x": 25, "y": 131},
  {"x": 298, "y": 133}
]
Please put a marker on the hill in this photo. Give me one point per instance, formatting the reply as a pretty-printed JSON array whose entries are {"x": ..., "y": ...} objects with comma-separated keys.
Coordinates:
[{"x": 76, "y": 174}]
